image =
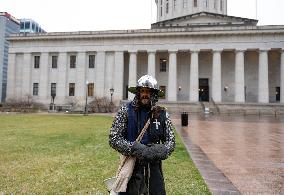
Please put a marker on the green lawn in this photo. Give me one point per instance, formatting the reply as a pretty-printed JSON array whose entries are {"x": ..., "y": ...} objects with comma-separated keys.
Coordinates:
[{"x": 60, "y": 154}]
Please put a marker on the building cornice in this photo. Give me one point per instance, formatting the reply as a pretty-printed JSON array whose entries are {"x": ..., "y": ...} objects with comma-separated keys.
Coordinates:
[{"x": 171, "y": 32}]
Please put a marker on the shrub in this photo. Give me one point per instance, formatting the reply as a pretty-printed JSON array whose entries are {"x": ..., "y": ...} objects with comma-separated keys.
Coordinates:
[
  {"x": 101, "y": 105},
  {"x": 26, "y": 104}
]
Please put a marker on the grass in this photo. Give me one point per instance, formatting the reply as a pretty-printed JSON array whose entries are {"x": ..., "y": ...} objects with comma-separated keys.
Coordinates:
[{"x": 69, "y": 154}]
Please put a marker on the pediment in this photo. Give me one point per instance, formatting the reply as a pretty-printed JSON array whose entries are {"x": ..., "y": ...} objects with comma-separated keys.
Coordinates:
[{"x": 205, "y": 19}]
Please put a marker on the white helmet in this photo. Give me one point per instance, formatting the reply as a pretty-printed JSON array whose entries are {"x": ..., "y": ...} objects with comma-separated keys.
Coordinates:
[{"x": 149, "y": 82}]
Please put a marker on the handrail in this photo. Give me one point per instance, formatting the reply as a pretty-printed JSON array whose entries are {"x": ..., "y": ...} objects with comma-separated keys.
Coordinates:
[
  {"x": 202, "y": 105},
  {"x": 215, "y": 106}
]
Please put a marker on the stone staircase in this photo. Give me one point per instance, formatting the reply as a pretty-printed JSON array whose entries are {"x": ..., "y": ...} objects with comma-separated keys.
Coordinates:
[{"x": 226, "y": 108}]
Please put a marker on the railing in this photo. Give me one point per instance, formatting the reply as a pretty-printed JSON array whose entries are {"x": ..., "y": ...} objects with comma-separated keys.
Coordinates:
[
  {"x": 203, "y": 106},
  {"x": 215, "y": 106}
]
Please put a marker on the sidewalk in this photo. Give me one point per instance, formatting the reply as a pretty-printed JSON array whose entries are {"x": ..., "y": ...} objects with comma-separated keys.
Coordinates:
[{"x": 237, "y": 155}]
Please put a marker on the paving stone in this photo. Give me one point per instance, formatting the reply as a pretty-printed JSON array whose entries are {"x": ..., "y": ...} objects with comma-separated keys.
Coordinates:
[{"x": 237, "y": 155}]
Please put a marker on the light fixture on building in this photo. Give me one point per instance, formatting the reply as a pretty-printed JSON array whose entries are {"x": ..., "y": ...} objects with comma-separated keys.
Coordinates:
[{"x": 226, "y": 88}]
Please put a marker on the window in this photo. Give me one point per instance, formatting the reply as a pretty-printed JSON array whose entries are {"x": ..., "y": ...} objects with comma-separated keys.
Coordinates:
[
  {"x": 175, "y": 4},
  {"x": 27, "y": 25},
  {"x": 22, "y": 25},
  {"x": 221, "y": 5},
  {"x": 206, "y": 3},
  {"x": 161, "y": 11},
  {"x": 167, "y": 7},
  {"x": 184, "y": 3},
  {"x": 163, "y": 88},
  {"x": 91, "y": 61},
  {"x": 277, "y": 94},
  {"x": 54, "y": 61},
  {"x": 163, "y": 65},
  {"x": 53, "y": 89},
  {"x": 215, "y": 4},
  {"x": 195, "y": 3},
  {"x": 91, "y": 89},
  {"x": 71, "y": 89},
  {"x": 35, "y": 89},
  {"x": 36, "y": 61},
  {"x": 72, "y": 61}
]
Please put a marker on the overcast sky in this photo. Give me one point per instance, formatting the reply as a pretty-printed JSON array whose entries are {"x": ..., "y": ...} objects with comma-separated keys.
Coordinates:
[{"x": 92, "y": 15}]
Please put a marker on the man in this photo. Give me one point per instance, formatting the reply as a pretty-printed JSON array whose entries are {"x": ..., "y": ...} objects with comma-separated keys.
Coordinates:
[{"x": 157, "y": 144}]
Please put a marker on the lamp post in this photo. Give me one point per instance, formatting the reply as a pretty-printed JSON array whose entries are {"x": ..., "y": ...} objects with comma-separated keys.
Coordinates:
[
  {"x": 111, "y": 90},
  {"x": 86, "y": 102}
]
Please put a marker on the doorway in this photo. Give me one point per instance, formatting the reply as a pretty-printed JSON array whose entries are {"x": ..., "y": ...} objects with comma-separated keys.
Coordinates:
[
  {"x": 204, "y": 90},
  {"x": 277, "y": 94}
]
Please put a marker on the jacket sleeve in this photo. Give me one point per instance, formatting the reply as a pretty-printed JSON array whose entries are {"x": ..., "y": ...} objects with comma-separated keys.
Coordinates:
[
  {"x": 169, "y": 135},
  {"x": 117, "y": 132}
]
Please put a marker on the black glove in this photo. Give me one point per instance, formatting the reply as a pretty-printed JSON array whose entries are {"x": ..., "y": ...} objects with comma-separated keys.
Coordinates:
[
  {"x": 155, "y": 152},
  {"x": 137, "y": 149}
]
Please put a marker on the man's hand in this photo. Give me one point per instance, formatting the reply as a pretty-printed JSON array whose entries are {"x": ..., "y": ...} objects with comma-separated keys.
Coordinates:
[
  {"x": 137, "y": 149},
  {"x": 155, "y": 152}
]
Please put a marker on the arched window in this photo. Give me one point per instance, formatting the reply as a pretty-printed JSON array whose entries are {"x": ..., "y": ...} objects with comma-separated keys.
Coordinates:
[{"x": 195, "y": 3}]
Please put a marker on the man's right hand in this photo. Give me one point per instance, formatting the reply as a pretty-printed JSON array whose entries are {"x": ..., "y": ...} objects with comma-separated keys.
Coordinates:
[{"x": 137, "y": 149}]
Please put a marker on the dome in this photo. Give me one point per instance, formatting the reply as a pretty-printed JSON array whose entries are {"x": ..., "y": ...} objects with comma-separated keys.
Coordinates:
[{"x": 169, "y": 9}]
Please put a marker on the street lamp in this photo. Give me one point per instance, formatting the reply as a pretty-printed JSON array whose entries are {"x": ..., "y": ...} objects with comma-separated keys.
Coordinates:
[
  {"x": 111, "y": 90},
  {"x": 86, "y": 102}
]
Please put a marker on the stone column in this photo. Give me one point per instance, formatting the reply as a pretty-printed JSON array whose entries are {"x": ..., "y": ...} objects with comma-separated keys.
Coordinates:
[
  {"x": 158, "y": 10},
  {"x": 11, "y": 77},
  {"x": 81, "y": 85},
  {"x": 19, "y": 77},
  {"x": 27, "y": 62},
  {"x": 282, "y": 77},
  {"x": 194, "y": 77},
  {"x": 109, "y": 72},
  {"x": 44, "y": 94},
  {"x": 216, "y": 76},
  {"x": 239, "y": 76},
  {"x": 62, "y": 87},
  {"x": 263, "y": 90},
  {"x": 171, "y": 8},
  {"x": 152, "y": 63},
  {"x": 172, "y": 80},
  {"x": 118, "y": 75},
  {"x": 132, "y": 79},
  {"x": 100, "y": 73}
]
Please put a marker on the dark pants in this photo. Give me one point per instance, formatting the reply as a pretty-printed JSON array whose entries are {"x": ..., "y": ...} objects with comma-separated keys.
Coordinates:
[{"x": 138, "y": 183}]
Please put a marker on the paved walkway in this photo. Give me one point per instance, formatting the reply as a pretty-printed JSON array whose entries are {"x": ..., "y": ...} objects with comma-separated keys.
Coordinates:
[{"x": 236, "y": 154}]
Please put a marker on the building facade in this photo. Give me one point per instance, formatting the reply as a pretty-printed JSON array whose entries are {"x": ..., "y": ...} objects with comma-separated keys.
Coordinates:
[
  {"x": 30, "y": 26},
  {"x": 8, "y": 26},
  {"x": 196, "y": 55}
]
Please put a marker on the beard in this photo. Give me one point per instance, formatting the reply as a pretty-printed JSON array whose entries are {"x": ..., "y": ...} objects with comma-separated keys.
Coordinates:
[{"x": 145, "y": 101}]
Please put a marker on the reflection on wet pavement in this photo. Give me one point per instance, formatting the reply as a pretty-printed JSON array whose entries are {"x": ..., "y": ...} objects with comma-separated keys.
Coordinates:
[{"x": 248, "y": 150}]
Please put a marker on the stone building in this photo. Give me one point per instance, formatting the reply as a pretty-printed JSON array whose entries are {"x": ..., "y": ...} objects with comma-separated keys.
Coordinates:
[{"x": 195, "y": 50}]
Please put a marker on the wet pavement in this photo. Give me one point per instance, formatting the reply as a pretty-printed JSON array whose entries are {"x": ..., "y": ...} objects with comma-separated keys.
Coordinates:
[{"x": 237, "y": 154}]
